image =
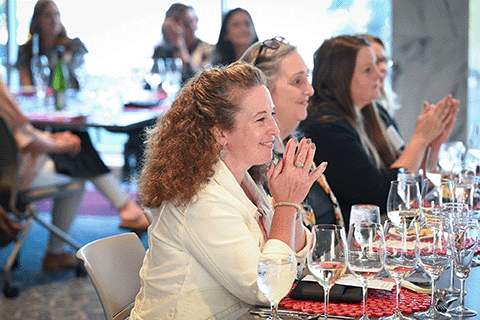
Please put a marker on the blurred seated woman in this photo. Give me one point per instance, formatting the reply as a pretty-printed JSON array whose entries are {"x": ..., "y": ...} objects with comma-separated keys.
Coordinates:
[
  {"x": 211, "y": 220},
  {"x": 342, "y": 119},
  {"x": 286, "y": 75}
]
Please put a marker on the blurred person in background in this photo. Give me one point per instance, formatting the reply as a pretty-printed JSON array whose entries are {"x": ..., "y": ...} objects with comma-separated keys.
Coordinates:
[
  {"x": 343, "y": 121},
  {"x": 180, "y": 41},
  {"x": 237, "y": 33},
  {"x": 88, "y": 163}
]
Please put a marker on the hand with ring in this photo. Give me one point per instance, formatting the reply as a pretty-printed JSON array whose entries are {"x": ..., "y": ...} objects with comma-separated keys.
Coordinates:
[{"x": 292, "y": 177}]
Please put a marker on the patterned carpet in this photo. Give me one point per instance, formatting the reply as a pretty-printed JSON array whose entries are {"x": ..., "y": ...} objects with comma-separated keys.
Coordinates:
[{"x": 55, "y": 295}]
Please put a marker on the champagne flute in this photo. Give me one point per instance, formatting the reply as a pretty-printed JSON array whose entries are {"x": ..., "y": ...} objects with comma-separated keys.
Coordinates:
[
  {"x": 398, "y": 255},
  {"x": 464, "y": 243},
  {"x": 403, "y": 202},
  {"x": 276, "y": 273},
  {"x": 434, "y": 256},
  {"x": 327, "y": 256},
  {"x": 454, "y": 210},
  {"x": 363, "y": 243}
]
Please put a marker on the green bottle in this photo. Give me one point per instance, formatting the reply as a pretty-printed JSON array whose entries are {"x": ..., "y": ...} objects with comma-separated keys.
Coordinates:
[{"x": 60, "y": 81}]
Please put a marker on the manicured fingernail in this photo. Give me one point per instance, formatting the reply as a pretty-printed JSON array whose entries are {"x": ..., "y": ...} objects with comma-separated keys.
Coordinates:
[
  {"x": 313, "y": 146},
  {"x": 309, "y": 140},
  {"x": 324, "y": 164}
]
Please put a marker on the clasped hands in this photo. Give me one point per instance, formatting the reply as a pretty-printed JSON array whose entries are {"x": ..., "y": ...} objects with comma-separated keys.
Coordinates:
[
  {"x": 292, "y": 177},
  {"x": 68, "y": 142}
]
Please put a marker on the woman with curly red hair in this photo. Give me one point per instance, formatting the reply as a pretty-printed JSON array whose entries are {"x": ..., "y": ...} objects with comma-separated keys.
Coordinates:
[{"x": 211, "y": 220}]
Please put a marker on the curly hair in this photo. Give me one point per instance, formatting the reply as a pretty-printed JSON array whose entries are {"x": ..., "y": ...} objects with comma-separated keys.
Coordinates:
[{"x": 181, "y": 149}]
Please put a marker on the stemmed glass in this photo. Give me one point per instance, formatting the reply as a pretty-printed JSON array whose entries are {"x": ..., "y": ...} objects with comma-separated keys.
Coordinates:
[
  {"x": 398, "y": 255},
  {"x": 364, "y": 242},
  {"x": 403, "y": 202},
  {"x": 453, "y": 210},
  {"x": 364, "y": 213},
  {"x": 464, "y": 243},
  {"x": 434, "y": 255},
  {"x": 276, "y": 273},
  {"x": 433, "y": 197},
  {"x": 327, "y": 256}
]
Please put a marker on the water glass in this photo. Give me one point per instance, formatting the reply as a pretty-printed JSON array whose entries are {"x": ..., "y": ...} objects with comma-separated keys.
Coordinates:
[
  {"x": 398, "y": 255},
  {"x": 364, "y": 242},
  {"x": 276, "y": 273},
  {"x": 327, "y": 256},
  {"x": 464, "y": 243}
]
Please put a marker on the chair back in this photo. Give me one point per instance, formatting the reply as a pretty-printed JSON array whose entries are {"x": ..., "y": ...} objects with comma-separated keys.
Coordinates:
[
  {"x": 9, "y": 167},
  {"x": 113, "y": 265}
]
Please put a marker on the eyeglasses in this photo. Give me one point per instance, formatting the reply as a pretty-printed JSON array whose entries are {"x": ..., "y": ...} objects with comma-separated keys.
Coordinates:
[{"x": 273, "y": 44}]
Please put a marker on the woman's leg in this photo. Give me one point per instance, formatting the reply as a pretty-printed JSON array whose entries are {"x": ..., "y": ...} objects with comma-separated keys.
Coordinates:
[{"x": 131, "y": 214}]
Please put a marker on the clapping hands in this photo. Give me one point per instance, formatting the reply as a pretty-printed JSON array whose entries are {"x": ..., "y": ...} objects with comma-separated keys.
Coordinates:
[{"x": 291, "y": 179}]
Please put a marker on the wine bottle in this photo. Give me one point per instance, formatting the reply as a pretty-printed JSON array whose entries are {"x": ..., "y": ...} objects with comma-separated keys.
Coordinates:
[{"x": 60, "y": 81}]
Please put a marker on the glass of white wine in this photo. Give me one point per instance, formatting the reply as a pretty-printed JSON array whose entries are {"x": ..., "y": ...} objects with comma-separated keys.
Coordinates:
[
  {"x": 327, "y": 257},
  {"x": 403, "y": 202},
  {"x": 276, "y": 273},
  {"x": 364, "y": 243}
]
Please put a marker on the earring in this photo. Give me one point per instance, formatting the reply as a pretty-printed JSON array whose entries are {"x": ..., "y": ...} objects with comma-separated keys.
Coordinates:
[{"x": 223, "y": 153}]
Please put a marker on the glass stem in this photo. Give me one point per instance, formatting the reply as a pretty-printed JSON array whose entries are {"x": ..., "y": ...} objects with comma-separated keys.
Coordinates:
[
  {"x": 452, "y": 275},
  {"x": 432, "y": 301},
  {"x": 364, "y": 290},
  {"x": 273, "y": 308},
  {"x": 397, "y": 283},
  {"x": 462, "y": 292},
  {"x": 326, "y": 297}
]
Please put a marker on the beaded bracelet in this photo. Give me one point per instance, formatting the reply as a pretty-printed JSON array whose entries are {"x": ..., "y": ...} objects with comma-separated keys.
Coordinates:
[{"x": 290, "y": 204}]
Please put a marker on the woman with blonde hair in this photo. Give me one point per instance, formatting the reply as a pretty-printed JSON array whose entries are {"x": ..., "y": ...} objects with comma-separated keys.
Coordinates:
[
  {"x": 342, "y": 119},
  {"x": 211, "y": 220}
]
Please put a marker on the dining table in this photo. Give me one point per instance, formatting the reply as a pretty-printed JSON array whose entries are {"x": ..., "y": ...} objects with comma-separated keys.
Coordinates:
[
  {"x": 472, "y": 298},
  {"x": 129, "y": 114}
]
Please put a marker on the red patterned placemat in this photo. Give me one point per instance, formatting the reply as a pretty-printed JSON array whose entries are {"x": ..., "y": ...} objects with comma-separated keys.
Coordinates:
[{"x": 379, "y": 303}]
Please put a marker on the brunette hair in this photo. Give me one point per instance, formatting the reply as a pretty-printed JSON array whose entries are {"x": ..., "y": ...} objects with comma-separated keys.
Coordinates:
[
  {"x": 224, "y": 52},
  {"x": 181, "y": 149},
  {"x": 334, "y": 63},
  {"x": 176, "y": 11},
  {"x": 62, "y": 38}
]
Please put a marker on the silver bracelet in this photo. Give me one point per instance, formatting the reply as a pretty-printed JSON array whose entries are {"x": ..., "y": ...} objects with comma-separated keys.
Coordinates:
[{"x": 289, "y": 204}]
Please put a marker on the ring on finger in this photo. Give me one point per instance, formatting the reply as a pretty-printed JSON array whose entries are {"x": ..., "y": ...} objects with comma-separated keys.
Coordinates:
[{"x": 299, "y": 164}]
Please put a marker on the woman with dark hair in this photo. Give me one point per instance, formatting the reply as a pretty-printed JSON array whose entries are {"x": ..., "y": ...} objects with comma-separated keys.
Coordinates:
[
  {"x": 342, "y": 119},
  {"x": 211, "y": 220},
  {"x": 179, "y": 40},
  {"x": 88, "y": 163},
  {"x": 236, "y": 35},
  {"x": 287, "y": 81}
]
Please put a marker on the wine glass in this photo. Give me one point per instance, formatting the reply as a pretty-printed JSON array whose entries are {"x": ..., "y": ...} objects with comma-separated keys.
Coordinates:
[
  {"x": 398, "y": 255},
  {"x": 276, "y": 273},
  {"x": 464, "y": 243},
  {"x": 454, "y": 210},
  {"x": 433, "y": 197},
  {"x": 463, "y": 189},
  {"x": 363, "y": 243},
  {"x": 434, "y": 255},
  {"x": 364, "y": 213},
  {"x": 403, "y": 202},
  {"x": 327, "y": 256}
]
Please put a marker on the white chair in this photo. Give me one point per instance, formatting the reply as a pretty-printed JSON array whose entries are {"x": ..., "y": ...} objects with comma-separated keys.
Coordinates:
[{"x": 113, "y": 265}]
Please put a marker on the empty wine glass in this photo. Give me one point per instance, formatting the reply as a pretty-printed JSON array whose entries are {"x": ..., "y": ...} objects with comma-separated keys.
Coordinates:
[
  {"x": 453, "y": 210},
  {"x": 363, "y": 243},
  {"x": 463, "y": 188},
  {"x": 276, "y": 272},
  {"x": 433, "y": 197},
  {"x": 366, "y": 214},
  {"x": 464, "y": 243},
  {"x": 327, "y": 256},
  {"x": 434, "y": 256},
  {"x": 403, "y": 202},
  {"x": 398, "y": 255}
]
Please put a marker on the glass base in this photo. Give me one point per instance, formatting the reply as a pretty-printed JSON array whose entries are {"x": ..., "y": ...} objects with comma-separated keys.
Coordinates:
[
  {"x": 396, "y": 316},
  {"x": 462, "y": 311},
  {"x": 431, "y": 314},
  {"x": 452, "y": 291}
]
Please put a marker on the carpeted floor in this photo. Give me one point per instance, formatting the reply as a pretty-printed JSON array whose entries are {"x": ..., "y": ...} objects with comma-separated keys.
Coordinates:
[{"x": 58, "y": 295}]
